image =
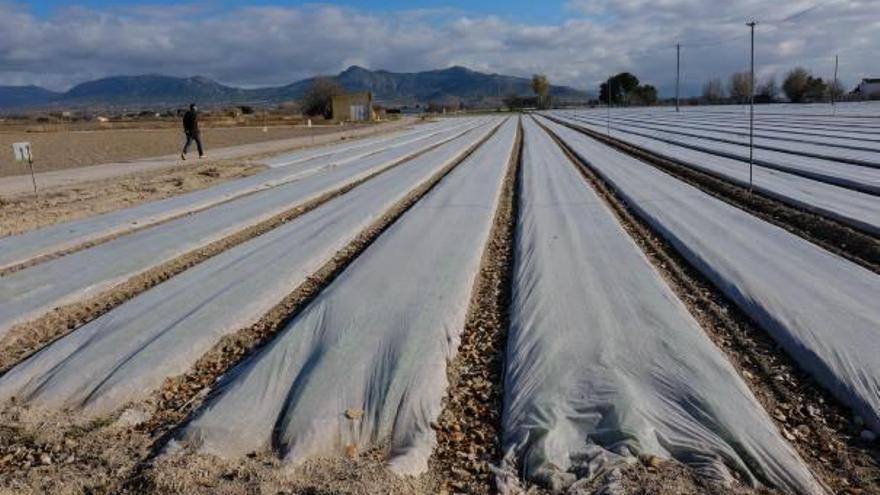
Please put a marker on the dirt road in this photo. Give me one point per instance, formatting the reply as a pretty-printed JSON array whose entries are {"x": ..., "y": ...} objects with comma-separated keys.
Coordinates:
[{"x": 73, "y": 193}]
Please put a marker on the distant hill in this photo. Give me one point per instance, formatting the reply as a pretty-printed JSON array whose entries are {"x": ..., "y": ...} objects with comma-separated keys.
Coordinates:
[
  {"x": 151, "y": 91},
  {"x": 25, "y": 96},
  {"x": 454, "y": 83}
]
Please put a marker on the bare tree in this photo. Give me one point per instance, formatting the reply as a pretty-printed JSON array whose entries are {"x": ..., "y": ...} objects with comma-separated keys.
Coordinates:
[
  {"x": 713, "y": 91},
  {"x": 541, "y": 87},
  {"x": 741, "y": 86},
  {"x": 319, "y": 99}
]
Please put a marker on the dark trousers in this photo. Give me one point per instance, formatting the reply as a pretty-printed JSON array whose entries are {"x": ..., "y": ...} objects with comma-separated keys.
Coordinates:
[{"x": 190, "y": 137}]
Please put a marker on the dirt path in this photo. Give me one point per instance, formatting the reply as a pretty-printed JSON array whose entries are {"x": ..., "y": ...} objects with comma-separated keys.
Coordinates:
[
  {"x": 70, "y": 149},
  {"x": 142, "y": 156},
  {"x": 468, "y": 430},
  {"x": 90, "y": 191},
  {"x": 65, "y": 204}
]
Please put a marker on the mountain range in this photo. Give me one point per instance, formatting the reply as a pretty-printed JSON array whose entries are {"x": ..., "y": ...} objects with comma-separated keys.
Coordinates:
[{"x": 390, "y": 88}]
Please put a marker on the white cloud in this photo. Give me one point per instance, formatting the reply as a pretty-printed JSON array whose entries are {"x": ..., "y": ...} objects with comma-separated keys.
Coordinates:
[{"x": 254, "y": 46}]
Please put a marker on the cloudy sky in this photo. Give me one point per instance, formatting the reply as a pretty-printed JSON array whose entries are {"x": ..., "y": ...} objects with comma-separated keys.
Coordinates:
[{"x": 57, "y": 43}]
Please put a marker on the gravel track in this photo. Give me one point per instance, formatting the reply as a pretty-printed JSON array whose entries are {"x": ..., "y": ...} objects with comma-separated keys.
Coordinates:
[{"x": 468, "y": 430}]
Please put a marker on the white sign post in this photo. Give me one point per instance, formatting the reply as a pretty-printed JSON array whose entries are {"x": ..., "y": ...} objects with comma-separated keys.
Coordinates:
[{"x": 23, "y": 154}]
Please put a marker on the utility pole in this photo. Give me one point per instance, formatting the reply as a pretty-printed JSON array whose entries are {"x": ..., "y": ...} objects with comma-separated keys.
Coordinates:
[
  {"x": 834, "y": 87},
  {"x": 752, "y": 108},
  {"x": 677, "y": 72},
  {"x": 608, "y": 90}
]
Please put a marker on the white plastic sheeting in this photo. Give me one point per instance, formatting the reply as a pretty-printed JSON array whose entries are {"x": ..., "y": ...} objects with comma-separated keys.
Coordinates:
[
  {"x": 21, "y": 248},
  {"x": 819, "y": 147},
  {"x": 819, "y": 307},
  {"x": 856, "y": 177},
  {"x": 129, "y": 351},
  {"x": 360, "y": 148},
  {"x": 27, "y": 293},
  {"x": 860, "y": 210},
  {"x": 604, "y": 363},
  {"x": 779, "y": 133},
  {"x": 375, "y": 340}
]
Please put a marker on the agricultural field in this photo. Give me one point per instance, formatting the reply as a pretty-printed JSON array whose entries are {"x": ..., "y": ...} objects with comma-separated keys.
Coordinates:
[
  {"x": 68, "y": 148},
  {"x": 568, "y": 301}
]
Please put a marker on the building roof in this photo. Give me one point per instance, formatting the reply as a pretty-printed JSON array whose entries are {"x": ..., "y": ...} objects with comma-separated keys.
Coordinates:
[{"x": 873, "y": 80}]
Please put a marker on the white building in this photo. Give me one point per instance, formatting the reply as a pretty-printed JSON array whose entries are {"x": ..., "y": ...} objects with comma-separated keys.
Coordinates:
[{"x": 870, "y": 89}]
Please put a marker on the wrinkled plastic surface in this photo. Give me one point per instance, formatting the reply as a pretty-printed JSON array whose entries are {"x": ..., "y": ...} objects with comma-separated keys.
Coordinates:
[
  {"x": 819, "y": 307},
  {"x": 376, "y": 340},
  {"x": 128, "y": 352},
  {"x": 20, "y": 248},
  {"x": 833, "y": 152},
  {"x": 359, "y": 148},
  {"x": 855, "y": 177},
  {"x": 604, "y": 363},
  {"x": 27, "y": 293},
  {"x": 724, "y": 127},
  {"x": 858, "y": 209}
]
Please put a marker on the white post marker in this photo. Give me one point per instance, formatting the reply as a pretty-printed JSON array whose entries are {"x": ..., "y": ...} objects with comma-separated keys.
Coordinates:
[
  {"x": 23, "y": 154},
  {"x": 752, "y": 107}
]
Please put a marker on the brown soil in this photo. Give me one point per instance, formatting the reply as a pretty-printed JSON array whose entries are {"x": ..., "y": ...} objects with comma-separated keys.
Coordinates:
[
  {"x": 115, "y": 453},
  {"x": 22, "y": 213},
  {"x": 821, "y": 429},
  {"x": 653, "y": 476},
  {"x": 469, "y": 428},
  {"x": 205, "y": 475},
  {"x": 859, "y": 247},
  {"x": 70, "y": 149}
]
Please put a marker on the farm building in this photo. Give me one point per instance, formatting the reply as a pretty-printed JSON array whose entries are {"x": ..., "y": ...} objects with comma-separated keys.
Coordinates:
[
  {"x": 870, "y": 88},
  {"x": 354, "y": 107}
]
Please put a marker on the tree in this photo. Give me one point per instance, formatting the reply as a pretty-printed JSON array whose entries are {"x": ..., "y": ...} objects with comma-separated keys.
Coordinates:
[
  {"x": 621, "y": 86},
  {"x": 767, "y": 92},
  {"x": 741, "y": 86},
  {"x": 713, "y": 91},
  {"x": 541, "y": 87},
  {"x": 796, "y": 84},
  {"x": 319, "y": 99},
  {"x": 644, "y": 95},
  {"x": 817, "y": 90},
  {"x": 836, "y": 90},
  {"x": 515, "y": 102}
]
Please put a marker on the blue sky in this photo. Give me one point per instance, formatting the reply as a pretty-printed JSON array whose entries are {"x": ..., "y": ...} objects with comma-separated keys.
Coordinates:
[
  {"x": 57, "y": 44},
  {"x": 542, "y": 11}
]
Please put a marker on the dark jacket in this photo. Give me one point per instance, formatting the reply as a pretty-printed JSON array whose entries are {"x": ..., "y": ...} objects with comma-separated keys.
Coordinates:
[{"x": 191, "y": 122}]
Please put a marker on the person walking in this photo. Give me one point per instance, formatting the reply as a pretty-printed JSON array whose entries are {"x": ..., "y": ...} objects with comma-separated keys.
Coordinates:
[{"x": 191, "y": 129}]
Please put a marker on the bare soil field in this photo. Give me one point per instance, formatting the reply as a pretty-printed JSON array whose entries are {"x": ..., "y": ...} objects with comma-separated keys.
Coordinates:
[
  {"x": 59, "y": 150},
  {"x": 86, "y": 196},
  {"x": 22, "y": 213}
]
